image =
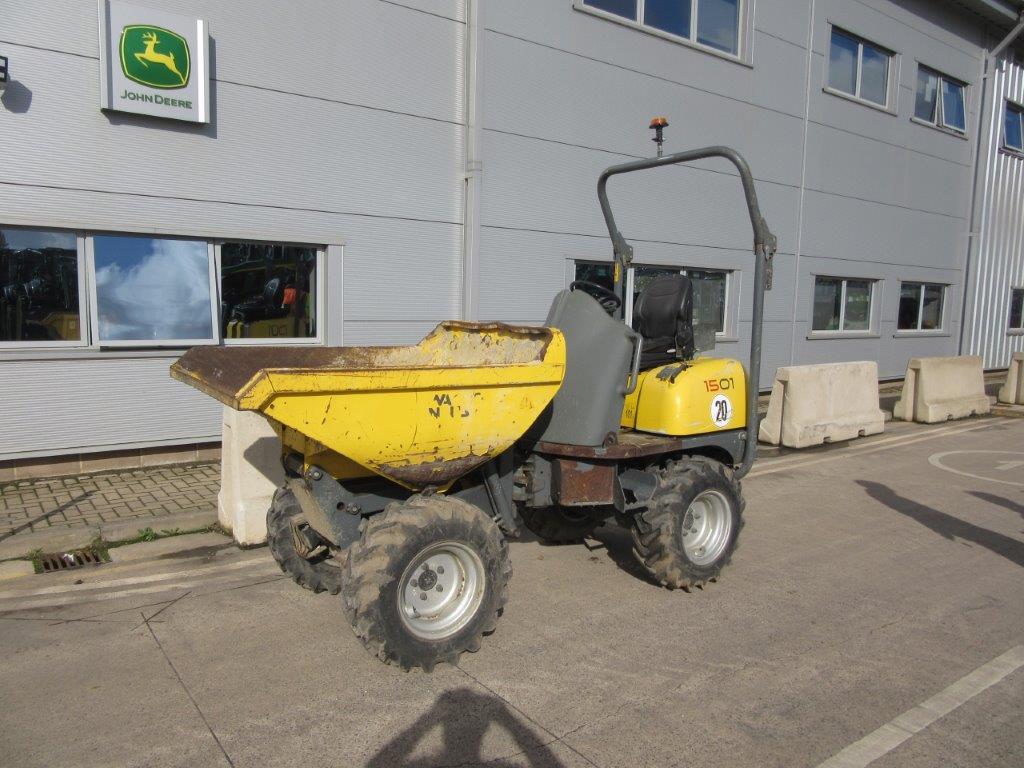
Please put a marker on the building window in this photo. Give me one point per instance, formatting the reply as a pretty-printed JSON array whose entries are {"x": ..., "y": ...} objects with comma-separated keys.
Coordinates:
[
  {"x": 710, "y": 23},
  {"x": 1013, "y": 127},
  {"x": 920, "y": 307},
  {"x": 268, "y": 291},
  {"x": 146, "y": 291},
  {"x": 1017, "y": 309},
  {"x": 842, "y": 304},
  {"x": 710, "y": 287},
  {"x": 152, "y": 291},
  {"x": 597, "y": 272},
  {"x": 940, "y": 100},
  {"x": 859, "y": 68},
  {"x": 39, "y": 288}
]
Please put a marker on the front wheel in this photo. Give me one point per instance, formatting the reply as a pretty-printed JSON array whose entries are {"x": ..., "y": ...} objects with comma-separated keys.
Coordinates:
[
  {"x": 691, "y": 526},
  {"x": 426, "y": 580},
  {"x": 319, "y": 573}
]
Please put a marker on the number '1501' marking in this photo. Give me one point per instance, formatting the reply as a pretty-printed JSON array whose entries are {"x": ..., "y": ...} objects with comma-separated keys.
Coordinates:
[{"x": 714, "y": 385}]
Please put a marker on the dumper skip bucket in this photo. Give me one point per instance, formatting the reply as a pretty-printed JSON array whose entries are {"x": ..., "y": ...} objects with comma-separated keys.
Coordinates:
[{"x": 421, "y": 416}]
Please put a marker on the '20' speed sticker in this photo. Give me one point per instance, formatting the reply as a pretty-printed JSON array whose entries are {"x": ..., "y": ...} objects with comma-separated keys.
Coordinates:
[{"x": 721, "y": 411}]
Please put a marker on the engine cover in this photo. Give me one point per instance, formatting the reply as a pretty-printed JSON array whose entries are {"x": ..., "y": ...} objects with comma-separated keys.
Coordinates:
[{"x": 705, "y": 395}]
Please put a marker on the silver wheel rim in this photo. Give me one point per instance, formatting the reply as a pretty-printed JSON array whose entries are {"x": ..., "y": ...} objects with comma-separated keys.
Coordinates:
[
  {"x": 707, "y": 527},
  {"x": 441, "y": 590}
]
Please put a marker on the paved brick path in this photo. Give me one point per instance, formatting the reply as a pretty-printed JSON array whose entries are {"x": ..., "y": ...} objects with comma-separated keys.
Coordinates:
[{"x": 88, "y": 500}]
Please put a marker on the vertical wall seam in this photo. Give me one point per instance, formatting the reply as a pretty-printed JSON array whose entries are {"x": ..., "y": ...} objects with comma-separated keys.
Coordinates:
[{"x": 803, "y": 186}]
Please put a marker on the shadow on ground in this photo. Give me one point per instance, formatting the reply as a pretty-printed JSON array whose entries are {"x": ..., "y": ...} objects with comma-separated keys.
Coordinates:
[
  {"x": 618, "y": 543},
  {"x": 946, "y": 525},
  {"x": 999, "y": 501},
  {"x": 464, "y": 717}
]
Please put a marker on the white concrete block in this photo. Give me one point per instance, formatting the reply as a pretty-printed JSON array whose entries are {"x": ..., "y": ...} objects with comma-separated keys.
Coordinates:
[
  {"x": 942, "y": 388},
  {"x": 1012, "y": 391},
  {"x": 815, "y": 404},
  {"x": 251, "y": 472}
]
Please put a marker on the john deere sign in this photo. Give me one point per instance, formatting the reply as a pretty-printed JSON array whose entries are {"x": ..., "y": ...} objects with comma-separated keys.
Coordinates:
[
  {"x": 153, "y": 63},
  {"x": 146, "y": 64}
]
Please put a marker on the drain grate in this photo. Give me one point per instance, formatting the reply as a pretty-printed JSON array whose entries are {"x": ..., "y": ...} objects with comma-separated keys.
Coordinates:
[{"x": 65, "y": 561}]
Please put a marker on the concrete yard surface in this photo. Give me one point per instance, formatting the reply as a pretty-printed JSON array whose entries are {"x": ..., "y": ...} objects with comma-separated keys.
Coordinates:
[{"x": 873, "y": 614}]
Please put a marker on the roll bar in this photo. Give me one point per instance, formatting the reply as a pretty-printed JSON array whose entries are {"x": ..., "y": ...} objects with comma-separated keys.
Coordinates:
[{"x": 764, "y": 249}]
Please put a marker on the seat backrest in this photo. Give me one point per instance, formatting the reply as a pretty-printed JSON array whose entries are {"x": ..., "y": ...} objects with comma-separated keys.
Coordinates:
[
  {"x": 663, "y": 314},
  {"x": 599, "y": 351}
]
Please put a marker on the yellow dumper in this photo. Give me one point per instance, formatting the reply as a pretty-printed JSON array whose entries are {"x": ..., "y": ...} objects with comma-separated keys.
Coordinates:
[{"x": 409, "y": 467}]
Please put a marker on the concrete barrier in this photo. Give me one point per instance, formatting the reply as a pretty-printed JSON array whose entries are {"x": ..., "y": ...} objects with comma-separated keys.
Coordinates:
[
  {"x": 815, "y": 404},
  {"x": 1012, "y": 391},
  {"x": 942, "y": 388},
  {"x": 250, "y": 473}
]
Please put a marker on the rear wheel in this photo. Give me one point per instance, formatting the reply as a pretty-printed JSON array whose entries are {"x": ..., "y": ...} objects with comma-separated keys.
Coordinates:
[
  {"x": 691, "y": 526},
  {"x": 319, "y": 573},
  {"x": 559, "y": 525},
  {"x": 426, "y": 580}
]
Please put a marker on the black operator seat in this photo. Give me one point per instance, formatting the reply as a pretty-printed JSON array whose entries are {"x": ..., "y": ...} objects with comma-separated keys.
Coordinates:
[{"x": 663, "y": 316}]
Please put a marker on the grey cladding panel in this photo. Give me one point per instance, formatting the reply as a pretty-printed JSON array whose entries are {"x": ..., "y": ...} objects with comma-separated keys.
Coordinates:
[
  {"x": 57, "y": 406},
  {"x": 859, "y": 231},
  {"x": 543, "y": 186},
  {"x": 557, "y": 25},
  {"x": 998, "y": 262},
  {"x": 321, "y": 155},
  {"x": 591, "y": 104},
  {"x": 854, "y": 166},
  {"x": 379, "y": 54}
]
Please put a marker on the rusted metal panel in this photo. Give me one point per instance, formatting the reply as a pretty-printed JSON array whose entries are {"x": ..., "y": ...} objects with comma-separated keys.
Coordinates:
[
  {"x": 638, "y": 445},
  {"x": 583, "y": 483},
  {"x": 630, "y": 445}
]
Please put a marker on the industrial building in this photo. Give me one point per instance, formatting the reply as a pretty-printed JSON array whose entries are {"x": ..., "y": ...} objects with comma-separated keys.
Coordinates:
[{"x": 354, "y": 172}]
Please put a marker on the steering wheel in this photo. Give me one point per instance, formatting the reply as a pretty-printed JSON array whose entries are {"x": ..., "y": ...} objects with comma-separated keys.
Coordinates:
[{"x": 607, "y": 298}]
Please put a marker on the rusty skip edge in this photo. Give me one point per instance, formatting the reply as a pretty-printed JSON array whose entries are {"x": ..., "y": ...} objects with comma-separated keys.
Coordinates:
[
  {"x": 195, "y": 379},
  {"x": 227, "y": 373},
  {"x": 438, "y": 473}
]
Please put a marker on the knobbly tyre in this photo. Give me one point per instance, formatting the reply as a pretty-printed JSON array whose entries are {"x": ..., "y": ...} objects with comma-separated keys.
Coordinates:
[{"x": 409, "y": 468}]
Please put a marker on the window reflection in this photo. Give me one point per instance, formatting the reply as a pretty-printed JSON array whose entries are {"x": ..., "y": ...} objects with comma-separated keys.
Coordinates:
[
  {"x": 668, "y": 15},
  {"x": 38, "y": 286},
  {"x": 599, "y": 274},
  {"x": 268, "y": 291},
  {"x": 709, "y": 293},
  {"x": 718, "y": 23},
  {"x": 152, "y": 289},
  {"x": 926, "y": 107},
  {"x": 827, "y": 304},
  {"x": 709, "y": 287}
]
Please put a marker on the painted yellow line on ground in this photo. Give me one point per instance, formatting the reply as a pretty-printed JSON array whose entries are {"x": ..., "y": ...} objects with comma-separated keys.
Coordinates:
[
  {"x": 88, "y": 586},
  {"x": 92, "y": 597},
  {"x": 873, "y": 448},
  {"x": 885, "y": 739}
]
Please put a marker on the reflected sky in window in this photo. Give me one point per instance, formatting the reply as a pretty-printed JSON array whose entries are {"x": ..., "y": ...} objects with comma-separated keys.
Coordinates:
[{"x": 151, "y": 289}]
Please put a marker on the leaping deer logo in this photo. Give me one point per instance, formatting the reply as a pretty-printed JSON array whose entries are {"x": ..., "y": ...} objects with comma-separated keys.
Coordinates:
[
  {"x": 154, "y": 56},
  {"x": 150, "y": 55}
]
